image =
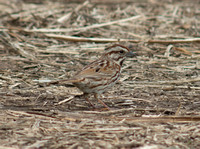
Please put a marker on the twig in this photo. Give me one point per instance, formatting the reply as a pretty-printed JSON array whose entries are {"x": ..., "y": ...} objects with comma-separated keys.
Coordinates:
[
  {"x": 84, "y": 28},
  {"x": 181, "y": 81},
  {"x": 189, "y": 40},
  {"x": 164, "y": 87},
  {"x": 182, "y": 50},
  {"x": 58, "y": 51},
  {"x": 120, "y": 111},
  {"x": 162, "y": 119},
  {"x": 111, "y": 1},
  {"x": 83, "y": 39},
  {"x": 178, "y": 110},
  {"x": 6, "y": 78},
  {"x": 66, "y": 100},
  {"x": 197, "y": 79},
  {"x": 167, "y": 53}
]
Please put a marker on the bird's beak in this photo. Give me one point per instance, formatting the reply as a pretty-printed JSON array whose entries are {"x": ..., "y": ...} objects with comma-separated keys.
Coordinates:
[{"x": 131, "y": 54}]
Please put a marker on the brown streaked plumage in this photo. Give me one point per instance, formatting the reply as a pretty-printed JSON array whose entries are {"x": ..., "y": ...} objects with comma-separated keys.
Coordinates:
[{"x": 103, "y": 73}]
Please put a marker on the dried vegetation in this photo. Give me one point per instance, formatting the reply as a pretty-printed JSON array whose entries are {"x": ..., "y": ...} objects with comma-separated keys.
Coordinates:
[{"x": 156, "y": 103}]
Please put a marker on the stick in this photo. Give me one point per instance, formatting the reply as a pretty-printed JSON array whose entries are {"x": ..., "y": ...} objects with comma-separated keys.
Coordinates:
[
  {"x": 162, "y": 119},
  {"x": 182, "y": 50},
  {"x": 83, "y": 39},
  {"x": 189, "y": 40},
  {"x": 84, "y": 28},
  {"x": 66, "y": 100}
]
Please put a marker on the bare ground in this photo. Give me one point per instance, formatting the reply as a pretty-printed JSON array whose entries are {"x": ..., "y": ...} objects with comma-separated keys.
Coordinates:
[{"x": 156, "y": 103}]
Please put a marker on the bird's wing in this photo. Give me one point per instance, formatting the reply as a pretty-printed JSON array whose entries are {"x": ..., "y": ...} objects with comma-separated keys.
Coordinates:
[{"x": 98, "y": 69}]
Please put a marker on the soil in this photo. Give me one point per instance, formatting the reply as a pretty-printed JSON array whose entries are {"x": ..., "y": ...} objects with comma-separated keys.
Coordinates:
[{"x": 156, "y": 102}]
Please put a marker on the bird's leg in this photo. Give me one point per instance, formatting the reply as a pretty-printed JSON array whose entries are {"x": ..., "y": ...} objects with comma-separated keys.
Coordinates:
[
  {"x": 96, "y": 96},
  {"x": 86, "y": 98}
]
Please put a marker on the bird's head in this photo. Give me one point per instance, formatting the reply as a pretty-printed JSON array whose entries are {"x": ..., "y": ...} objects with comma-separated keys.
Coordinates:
[{"x": 118, "y": 53}]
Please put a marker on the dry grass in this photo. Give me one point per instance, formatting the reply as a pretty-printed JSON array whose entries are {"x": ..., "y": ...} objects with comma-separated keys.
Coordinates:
[{"x": 156, "y": 103}]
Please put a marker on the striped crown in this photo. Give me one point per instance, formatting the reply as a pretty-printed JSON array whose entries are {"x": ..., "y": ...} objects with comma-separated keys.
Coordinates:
[{"x": 117, "y": 53}]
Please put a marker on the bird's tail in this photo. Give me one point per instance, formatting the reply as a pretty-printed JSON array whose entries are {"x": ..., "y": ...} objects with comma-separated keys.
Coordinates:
[{"x": 65, "y": 81}]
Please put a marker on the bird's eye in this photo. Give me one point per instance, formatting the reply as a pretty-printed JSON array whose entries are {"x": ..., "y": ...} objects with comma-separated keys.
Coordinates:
[{"x": 121, "y": 51}]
